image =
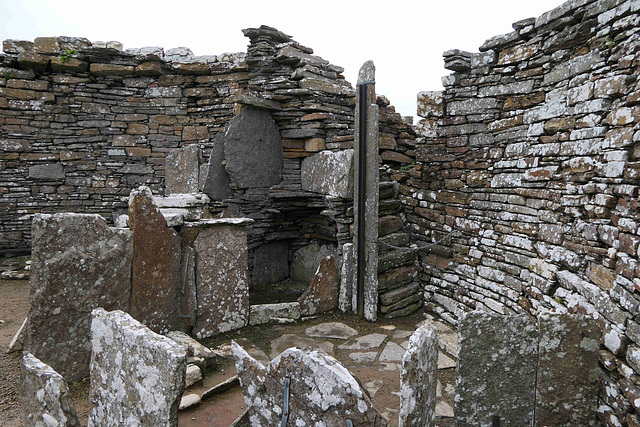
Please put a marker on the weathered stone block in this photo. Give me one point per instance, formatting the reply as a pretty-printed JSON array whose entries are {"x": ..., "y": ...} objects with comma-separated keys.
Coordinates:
[
  {"x": 182, "y": 170},
  {"x": 263, "y": 313},
  {"x": 566, "y": 387},
  {"x": 253, "y": 149},
  {"x": 137, "y": 376},
  {"x": 48, "y": 171},
  {"x": 321, "y": 389},
  {"x": 46, "y": 400},
  {"x": 156, "y": 264},
  {"x": 217, "y": 182},
  {"x": 418, "y": 379},
  {"x": 329, "y": 173},
  {"x": 222, "y": 278},
  {"x": 78, "y": 264},
  {"x": 489, "y": 345},
  {"x": 322, "y": 293},
  {"x": 306, "y": 261}
]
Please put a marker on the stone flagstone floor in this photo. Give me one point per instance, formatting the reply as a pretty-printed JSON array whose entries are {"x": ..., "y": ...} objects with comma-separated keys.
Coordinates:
[{"x": 371, "y": 351}]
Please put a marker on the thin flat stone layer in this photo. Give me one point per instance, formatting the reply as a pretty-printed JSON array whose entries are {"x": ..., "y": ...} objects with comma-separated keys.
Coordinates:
[
  {"x": 321, "y": 393},
  {"x": 331, "y": 330},
  {"x": 45, "y": 395},
  {"x": 137, "y": 376},
  {"x": 568, "y": 373},
  {"x": 78, "y": 264},
  {"x": 182, "y": 170},
  {"x": 329, "y": 173},
  {"x": 489, "y": 346},
  {"x": 322, "y": 293},
  {"x": 253, "y": 149},
  {"x": 156, "y": 264},
  {"x": 222, "y": 278},
  {"x": 418, "y": 379}
]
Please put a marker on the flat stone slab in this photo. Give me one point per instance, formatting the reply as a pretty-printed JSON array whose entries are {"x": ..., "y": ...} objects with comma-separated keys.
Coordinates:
[
  {"x": 568, "y": 372},
  {"x": 321, "y": 389},
  {"x": 331, "y": 330},
  {"x": 366, "y": 342},
  {"x": 262, "y": 313},
  {"x": 329, "y": 173},
  {"x": 45, "y": 395},
  {"x": 445, "y": 362},
  {"x": 222, "y": 277},
  {"x": 491, "y": 345},
  {"x": 253, "y": 149},
  {"x": 182, "y": 170},
  {"x": 156, "y": 264},
  {"x": 392, "y": 353},
  {"x": 137, "y": 376},
  {"x": 286, "y": 341},
  {"x": 78, "y": 263},
  {"x": 323, "y": 292},
  {"x": 418, "y": 379},
  {"x": 366, "y": 357}
]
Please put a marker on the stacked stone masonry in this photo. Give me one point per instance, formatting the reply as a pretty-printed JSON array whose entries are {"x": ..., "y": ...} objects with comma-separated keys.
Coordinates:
[{"x": 527, "y": 177}]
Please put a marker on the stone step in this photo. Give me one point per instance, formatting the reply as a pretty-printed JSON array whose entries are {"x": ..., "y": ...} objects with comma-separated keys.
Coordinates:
[
  {"x": 392, "y": 297},
  {"x": 396, "y": 277},
  {"x": 394, "y": 259}
]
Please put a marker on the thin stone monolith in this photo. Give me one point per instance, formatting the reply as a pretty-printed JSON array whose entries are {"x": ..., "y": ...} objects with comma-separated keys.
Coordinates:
[
  {"x": 496, "y": 375},
  {"x": 418, "y": 379},
  {"x": 365, "y": 206},
  {"x": 137, "y": 376},
  {"x": 182, "y": 170}
]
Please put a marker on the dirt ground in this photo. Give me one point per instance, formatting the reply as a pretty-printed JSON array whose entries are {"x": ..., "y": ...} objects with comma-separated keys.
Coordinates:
[{"x": 221, "y": 410}]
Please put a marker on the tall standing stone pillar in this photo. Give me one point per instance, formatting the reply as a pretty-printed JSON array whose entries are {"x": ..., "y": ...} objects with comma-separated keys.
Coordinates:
[{"x": 365, "y": 199}]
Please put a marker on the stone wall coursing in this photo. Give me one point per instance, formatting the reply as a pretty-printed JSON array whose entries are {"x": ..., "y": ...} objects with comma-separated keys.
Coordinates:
[
  {"x": 527, "y": 180},
  {"x": 81, "y": 123}
]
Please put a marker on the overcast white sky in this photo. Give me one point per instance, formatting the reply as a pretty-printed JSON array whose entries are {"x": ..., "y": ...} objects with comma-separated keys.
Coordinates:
[{"x": 404, "y": 38}]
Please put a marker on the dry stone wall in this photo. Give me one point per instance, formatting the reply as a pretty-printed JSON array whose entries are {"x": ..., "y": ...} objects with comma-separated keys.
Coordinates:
[{"x": 527, "y": 180}]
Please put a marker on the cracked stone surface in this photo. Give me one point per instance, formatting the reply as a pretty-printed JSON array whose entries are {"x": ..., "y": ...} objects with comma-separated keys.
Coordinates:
[
  {"x": 366, "y": 342},
  {"x": 331, "y": 330}
]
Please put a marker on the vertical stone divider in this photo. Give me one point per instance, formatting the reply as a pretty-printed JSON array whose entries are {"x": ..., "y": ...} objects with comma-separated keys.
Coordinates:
[
  {"x": 182, "y": 170},
  {"x": 365, "y": 199},
  {"x": 418, "y": 379},
  {"x": 137, "y": 376},
  {"x": 221, "y": 274},
  {"x": 156, "y": 264},
  {"x": 568, "y": 374},
  {"x": 496, "y": 373}
]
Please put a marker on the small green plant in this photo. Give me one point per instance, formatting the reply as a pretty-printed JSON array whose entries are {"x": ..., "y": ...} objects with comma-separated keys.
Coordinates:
[
  {"x": 7, "y": 75},
  {"x": 608, "y": 43},
  {"x": 67, "y": 54},
  {"x": 407, "y": 167}
]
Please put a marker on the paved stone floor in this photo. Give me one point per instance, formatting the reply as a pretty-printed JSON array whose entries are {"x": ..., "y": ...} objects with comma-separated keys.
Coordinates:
[{"x": 371, "y": 351}]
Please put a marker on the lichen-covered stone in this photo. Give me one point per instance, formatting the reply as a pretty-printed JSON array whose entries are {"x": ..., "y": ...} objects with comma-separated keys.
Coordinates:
[
  {"x": 46, "y": 400},
  {"x": 263, "y": 313},
  {"x": 489, "y": 346},
  {"x": 222, "y": 279},
  {"x": 156, "y": 264},
  {"x": 329, "y": 173},
  {"x": 322, "y": 392},
  {"x": 322, "y": 293},
  {"x": 78, "y": 264},
  {"x": 137, "y": 376},
  {"x": 306, "y": 261},
  {"x": 567, "y": 380},
  {"x": 418, "y": 379},
  {"x": 182, "y": 170}
]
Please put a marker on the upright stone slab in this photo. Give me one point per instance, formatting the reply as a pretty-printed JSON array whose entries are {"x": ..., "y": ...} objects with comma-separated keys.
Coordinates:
[
  {"x": 568, "y": 373},
  {"x": 346, "y": 278},
  {"x": 418, "y": 379},
  {"x": 222, "y": 276},
  {"x": 322, "y": 293},
  {"x": 137, "y": 376},
  {"x": 270, "y": 263},
  {"x": 496, "y": 375},
  {"x": 216, "y": 185},
  {"x": 182, "y": 170},
  {"x": 46, "y": 400},
  {"x": 156, "y": 264},
  {"x": 321, "y": 390},
  {"x": 78, "y": 264},
  {"x": 366, "y": 197},
  {"x": 306, "y": 261},
  {"x": 329, "y": 173}
]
